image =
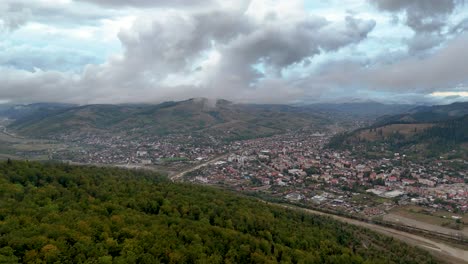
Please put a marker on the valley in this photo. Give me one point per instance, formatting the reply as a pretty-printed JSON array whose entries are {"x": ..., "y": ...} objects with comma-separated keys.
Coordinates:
[
  {"x": 282, "y": 161},
  {"x": 233, "y": 132}
]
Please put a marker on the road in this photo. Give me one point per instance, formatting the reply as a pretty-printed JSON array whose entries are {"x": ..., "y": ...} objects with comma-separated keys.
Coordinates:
[
  {"x": 440, "y": 250},
  {"x": 181, "y": 174}
]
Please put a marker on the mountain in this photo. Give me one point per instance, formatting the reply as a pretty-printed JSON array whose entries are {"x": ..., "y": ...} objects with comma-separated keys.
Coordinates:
[
  {"x": 199, "y": 115},
  {"x": 422, "y": 131},
  {"x": 56, "y": 213}
]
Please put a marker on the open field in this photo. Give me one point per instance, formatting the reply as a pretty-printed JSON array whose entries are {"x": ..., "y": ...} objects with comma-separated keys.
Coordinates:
[
  {"x": 6, "y": 156},
  {"x": 37, "y": 146},
  {"x": 424, "y": 225},
  {"x": 437, "y": 222},
  {"x": 417, "y": 213},
  {"x": 370, "y": 199},
  {"x": 15, "y": 147}
]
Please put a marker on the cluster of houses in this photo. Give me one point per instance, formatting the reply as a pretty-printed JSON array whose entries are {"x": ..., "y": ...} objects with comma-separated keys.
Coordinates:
[
  {"x": 298, "y": 167},
  {"x": 111, "y": 149}
]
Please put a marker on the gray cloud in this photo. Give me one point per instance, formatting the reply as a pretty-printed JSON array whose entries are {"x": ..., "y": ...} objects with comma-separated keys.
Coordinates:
[
  {"x": 177, "y": 44},
  {"x": 427, "y": 18},
  {"x": 226, "y": 53},
  {"x": 171, "y": 44},
  {"x": 441, "y": 71},
  {"x": 276, "y": 47},
  {"x": 421, "y": 15},
  {"x": 149, "y": 3},
  {"x": 16, "y": 13},
  {"x": 12, "y": 16},
  {"x": 424, "y": 41},
  {"x": 39, "y": 86},
  {"x": 159, "y": 48}
]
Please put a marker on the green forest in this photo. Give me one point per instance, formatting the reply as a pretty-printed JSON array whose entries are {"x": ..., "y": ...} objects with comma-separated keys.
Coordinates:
[{"x": 57, "y": 213}]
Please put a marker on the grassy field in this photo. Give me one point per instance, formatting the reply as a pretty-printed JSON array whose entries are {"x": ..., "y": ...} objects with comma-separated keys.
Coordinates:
[
  {"x": 7, "y": 156},
  {"x": 175, "y": 159},
  {"x": 20, "y": 148},
  {"x": 37, "y": 146},
  {"x": 370, "y": 199},
  {"x": 418, "y": 213}
]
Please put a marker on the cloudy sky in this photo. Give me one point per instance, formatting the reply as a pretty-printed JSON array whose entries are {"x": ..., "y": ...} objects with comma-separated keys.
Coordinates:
[{"x": 263, "y": 51}]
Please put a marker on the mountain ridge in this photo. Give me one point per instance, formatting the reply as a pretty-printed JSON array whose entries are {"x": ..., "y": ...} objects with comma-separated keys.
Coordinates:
[{"x": 166, "y": 118}]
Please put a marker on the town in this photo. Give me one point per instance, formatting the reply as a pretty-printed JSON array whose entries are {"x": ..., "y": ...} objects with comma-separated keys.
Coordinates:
[{"x": 296, "y": 167}]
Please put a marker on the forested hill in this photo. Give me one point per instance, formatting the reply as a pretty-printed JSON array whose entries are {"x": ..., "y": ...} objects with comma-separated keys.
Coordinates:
[{"x": 52, "y": 213}]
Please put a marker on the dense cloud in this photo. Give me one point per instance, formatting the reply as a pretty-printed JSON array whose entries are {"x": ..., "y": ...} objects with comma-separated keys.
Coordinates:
[
  {"x": 177, "y": 45},
  {"x": 421, "y": 15},
  {"x": 266, "y": 51}
]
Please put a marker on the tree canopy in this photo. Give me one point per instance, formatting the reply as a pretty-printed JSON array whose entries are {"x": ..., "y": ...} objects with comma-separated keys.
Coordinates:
[{"x": 56, "y": 213}]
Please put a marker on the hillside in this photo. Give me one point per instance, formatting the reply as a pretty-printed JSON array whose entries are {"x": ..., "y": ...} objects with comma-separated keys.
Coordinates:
[
  {"x": 427, "y": 114},
  {"x": 423, "y": 132},
  {"x": 52, "y": 213},
  {"x": 231, "y": 121}
]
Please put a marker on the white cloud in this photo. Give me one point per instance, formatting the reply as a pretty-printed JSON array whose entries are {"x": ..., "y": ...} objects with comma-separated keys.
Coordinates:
[{"x": 445, "y": 94}]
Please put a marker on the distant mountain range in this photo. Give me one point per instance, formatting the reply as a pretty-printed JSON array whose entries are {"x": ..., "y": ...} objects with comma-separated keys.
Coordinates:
[
  {"x": 370, "y": 110},
  {"x": 422, "y": 131},
  {"x": 37, "y": 110},
  {"x": 427, "y": 114},
  {"x": 200, "y": 115}
]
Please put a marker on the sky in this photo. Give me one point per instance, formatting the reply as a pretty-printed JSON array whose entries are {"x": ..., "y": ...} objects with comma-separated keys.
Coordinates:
[{"x": 253, "y": 51}]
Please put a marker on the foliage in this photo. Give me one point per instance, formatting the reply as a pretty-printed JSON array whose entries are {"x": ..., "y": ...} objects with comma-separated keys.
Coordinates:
[{"x": 56, "y": 213}]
